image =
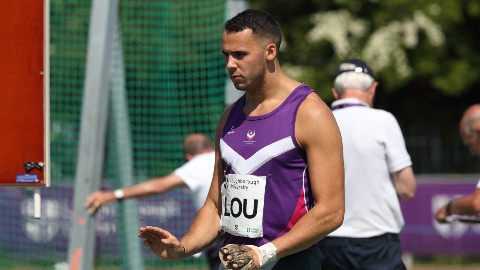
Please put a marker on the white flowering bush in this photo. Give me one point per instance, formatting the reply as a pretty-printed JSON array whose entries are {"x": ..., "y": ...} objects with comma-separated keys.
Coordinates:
[{"x": 384, "y": 47}]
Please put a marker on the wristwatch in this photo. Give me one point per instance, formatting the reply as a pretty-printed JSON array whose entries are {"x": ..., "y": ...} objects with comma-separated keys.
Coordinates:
[
  {"x": 448, "y": 208},
  {"x": 118, "y": 193}
]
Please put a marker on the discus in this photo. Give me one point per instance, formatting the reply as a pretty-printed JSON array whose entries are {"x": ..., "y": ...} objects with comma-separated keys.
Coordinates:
[{"x": 463, "y": 219}]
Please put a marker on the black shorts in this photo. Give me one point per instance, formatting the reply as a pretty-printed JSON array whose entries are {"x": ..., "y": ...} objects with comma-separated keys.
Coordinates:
[
  {"x": 381, "y": 252},
  {"x": 305, "y": 259}
]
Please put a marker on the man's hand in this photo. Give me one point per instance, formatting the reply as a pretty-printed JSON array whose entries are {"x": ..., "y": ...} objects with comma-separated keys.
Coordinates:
[
  {"x": 247, "y": 257},
  {"x": 440, "y": 215},
  {"x": 162, "y": 243},
  {"x": 97, "y": 199},
  {"x": 235, "y": 256}
]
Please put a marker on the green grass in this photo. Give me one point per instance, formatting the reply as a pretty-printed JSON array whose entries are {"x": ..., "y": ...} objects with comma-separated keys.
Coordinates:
[{"x": 447, "y": 260}]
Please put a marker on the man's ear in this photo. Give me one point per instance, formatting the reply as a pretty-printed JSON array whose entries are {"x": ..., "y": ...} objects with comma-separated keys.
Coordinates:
[
  {"x": 371, "y": 93},
  {"x": 271, "y": 51},
  {"x": 373, "y": 88},
  {"x": 476, "y": 127},
  {"x": 188, "y": 157},
  {"x": 335, "y": 93}
]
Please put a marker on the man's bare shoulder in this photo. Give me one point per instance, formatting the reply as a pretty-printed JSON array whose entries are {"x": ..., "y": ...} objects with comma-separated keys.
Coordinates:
[
  {"x": 315, "y": 122},
  {"x": 314, "y": 107}
]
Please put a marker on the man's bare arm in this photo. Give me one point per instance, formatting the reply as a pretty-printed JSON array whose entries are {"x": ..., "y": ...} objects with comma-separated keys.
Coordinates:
[
  {"x": 465, "y": 205},
  {"x": 405, "y": 183},
  {"x": 206, "y": 226},
  {"x": 154, "y": 186},
  {"x": 318, "y": 133}
]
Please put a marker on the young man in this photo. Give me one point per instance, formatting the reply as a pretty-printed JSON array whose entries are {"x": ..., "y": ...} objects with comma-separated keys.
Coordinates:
[
  {"x": 378, "y": 173},
  {"x": 278, "y": 180},
  {"x": 196, "y": 174},
  {"x": 470, "y": 133}
]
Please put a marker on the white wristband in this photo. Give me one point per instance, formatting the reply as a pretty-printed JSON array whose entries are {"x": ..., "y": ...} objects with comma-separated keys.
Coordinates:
[
  {"x": 267, "y": 253},
  {"x": 119, "y": 194}
]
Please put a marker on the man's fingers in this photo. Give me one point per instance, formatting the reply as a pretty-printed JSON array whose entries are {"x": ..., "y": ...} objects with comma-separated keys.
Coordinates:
[
  {"x": 148, "y": 235},
  {"x": 235, "y": 256},
  {"x": 154, "y": 234},
  {"x": 158, "y": 232},
  {"x": 88, "y": 202},
  {"x": 92, "y": 205}
]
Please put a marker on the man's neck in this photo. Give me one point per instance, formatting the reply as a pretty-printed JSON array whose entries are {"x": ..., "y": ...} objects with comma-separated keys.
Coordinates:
[
  {"x": 357, "y": 94},
  {"x": 268, "y": 97}
]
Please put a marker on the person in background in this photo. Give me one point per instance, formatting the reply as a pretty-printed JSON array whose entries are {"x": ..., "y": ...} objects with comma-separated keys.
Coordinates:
[
  {"x": 278, "y": 181},
  {"x": 470, "y": 132},
  {"x": 196, "y": 174},
  {"x": 378, "y": 172}
]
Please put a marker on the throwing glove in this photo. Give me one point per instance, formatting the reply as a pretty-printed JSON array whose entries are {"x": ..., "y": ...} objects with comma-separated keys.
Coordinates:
[{"x": 241, "y": 255}]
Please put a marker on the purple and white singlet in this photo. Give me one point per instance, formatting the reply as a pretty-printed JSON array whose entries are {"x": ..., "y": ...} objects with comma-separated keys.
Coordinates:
[{"x": 266, "y": 188}]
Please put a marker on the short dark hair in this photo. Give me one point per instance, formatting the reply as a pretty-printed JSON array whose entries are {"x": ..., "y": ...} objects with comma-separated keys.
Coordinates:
[
  {"x": 261, "y": 22},
  {"x": 196, "y": 143}
]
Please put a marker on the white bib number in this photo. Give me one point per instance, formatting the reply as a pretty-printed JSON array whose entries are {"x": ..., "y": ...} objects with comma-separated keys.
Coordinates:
[{"x": 242, "y": 205}]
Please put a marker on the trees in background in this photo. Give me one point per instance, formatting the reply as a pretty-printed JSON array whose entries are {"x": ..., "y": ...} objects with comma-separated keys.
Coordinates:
[{"x": 426, "y": 55}]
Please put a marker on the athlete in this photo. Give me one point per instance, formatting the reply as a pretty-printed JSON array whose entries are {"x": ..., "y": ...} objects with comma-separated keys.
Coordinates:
[{"x": 278, "y": 180}]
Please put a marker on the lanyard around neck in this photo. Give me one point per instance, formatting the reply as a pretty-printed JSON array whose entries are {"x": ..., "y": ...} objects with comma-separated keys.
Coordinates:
[{"x": 345, "y": 105}]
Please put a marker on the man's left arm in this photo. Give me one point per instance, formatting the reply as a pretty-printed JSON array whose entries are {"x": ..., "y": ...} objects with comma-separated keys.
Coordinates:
[
  {"x": 317, "y": 132},
  {"x": 405, "y": 183},
  {"x": 399, "y": 161}
]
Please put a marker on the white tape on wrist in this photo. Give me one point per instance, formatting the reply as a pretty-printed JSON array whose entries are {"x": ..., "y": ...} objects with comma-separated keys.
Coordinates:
[{"x": 267, "y": 253}]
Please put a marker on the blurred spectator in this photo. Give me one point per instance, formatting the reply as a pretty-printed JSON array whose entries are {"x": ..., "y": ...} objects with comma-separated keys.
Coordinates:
[{"x": 470, "y": 133}]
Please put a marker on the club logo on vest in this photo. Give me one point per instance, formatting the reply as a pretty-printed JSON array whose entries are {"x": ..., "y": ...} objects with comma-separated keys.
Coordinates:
[
  {"x": 250, "y": 135},
  {"x": 250, "y": 141}
]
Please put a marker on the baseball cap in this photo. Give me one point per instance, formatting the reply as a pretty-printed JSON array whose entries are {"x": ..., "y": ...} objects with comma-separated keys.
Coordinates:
[{"x": 354, "y": 65}]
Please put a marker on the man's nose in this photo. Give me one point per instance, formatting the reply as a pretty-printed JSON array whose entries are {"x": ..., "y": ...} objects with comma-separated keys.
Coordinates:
[{"x": 230, "y": 63}]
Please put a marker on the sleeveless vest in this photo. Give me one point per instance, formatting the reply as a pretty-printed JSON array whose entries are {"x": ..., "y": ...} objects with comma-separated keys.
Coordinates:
[{"x": 266, "y": 146}]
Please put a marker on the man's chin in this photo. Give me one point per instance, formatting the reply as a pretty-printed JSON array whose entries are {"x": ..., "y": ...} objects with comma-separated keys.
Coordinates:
[{"x": 240, "y": 87}]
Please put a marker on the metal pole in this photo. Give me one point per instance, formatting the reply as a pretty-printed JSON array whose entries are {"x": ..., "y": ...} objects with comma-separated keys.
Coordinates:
[
  {"x": 123, "y": 144},
  {"x": 92, "y": 131}
]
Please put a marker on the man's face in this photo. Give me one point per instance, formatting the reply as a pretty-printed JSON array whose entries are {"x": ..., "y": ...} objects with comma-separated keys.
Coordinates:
[
  {"x": 472, "y": 140},
  {"x": 244, "y": 59}
]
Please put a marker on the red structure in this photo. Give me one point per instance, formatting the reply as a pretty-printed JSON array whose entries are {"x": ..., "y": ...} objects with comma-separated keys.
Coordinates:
[{"x": 24, "y": 93}]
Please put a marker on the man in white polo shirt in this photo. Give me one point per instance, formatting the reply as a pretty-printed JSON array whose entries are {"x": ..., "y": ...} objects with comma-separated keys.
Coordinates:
[
  {"x": 378, "y": 173},
  {"x": 470, "y": 133}
]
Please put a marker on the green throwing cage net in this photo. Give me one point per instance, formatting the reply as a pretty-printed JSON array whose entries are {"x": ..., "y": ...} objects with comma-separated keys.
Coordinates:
[{"x": 174, "y": 81}]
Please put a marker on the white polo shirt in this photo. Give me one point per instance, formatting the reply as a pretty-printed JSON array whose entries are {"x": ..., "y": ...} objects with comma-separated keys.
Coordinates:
[
  {"x": 197, "y": 175},
  {"x": 373, "y": 148}
]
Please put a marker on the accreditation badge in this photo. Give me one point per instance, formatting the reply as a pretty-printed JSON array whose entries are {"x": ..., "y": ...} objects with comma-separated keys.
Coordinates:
[{"x": 242, "y": 205}]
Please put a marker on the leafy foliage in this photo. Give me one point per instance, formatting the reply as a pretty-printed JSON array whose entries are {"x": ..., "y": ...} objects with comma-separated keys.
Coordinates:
[
  {"x": 425, "y": 55},
  {"x": 404, "y": 41}
]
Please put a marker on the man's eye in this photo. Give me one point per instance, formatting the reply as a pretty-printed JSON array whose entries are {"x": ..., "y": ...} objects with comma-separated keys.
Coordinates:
[{"x": 239, "y": 55}]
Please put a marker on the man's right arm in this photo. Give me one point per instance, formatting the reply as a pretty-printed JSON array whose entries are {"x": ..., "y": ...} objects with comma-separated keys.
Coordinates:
[
  {"x": 154, "y": 186},
  {"x": 205, "y": 228},
  {"x": 466, "y": 205}
]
